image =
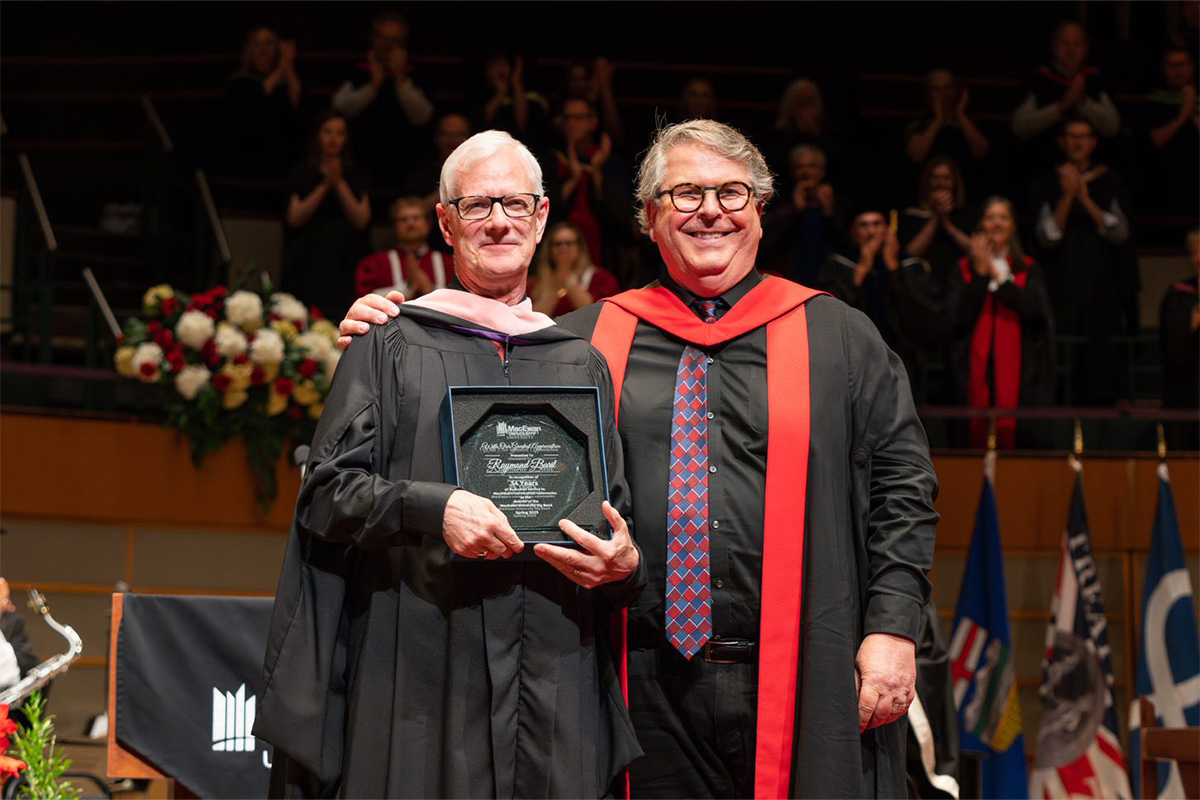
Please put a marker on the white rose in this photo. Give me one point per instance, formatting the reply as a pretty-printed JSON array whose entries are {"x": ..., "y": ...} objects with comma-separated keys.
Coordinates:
[
  {"x": 148, "y": 353},
  {"x": 288, "y": 307},
  {"x": 194, "y": 329},
  {"x": 316, "y": 344},
  {"x": 191, "y": 379},
  {"x": 267, "y": 348},
  {"x": 243, "y": 307},
  {"x": 230, "y": 341}
]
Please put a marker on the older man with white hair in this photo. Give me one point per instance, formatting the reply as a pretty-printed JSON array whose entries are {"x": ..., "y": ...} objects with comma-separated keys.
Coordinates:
[
  {"x": 783, "y": 508},
  {"x": 399, "y": 663}
]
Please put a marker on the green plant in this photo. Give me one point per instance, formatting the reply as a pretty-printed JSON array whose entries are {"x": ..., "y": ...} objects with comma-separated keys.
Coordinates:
[{"x": 36, "y": 746}]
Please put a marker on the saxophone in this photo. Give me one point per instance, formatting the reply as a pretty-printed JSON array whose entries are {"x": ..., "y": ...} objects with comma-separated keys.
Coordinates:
[{"x": 40, "y": 675}]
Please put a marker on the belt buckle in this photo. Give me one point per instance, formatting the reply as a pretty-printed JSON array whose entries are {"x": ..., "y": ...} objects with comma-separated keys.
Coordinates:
[{"x": 708, "y": 648}]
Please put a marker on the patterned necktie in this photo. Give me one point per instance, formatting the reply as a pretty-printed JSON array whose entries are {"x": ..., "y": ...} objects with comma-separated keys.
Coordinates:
[{"x": 689, "y": 600}]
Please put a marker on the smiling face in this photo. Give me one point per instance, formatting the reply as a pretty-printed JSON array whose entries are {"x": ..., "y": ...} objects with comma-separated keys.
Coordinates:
[
  {"x": 332, "y": 137},
  {"x": 707, "y": 250},
  {"x": 999, "y": 225},
  {"x": 411, "y": 226},
  {"x": 1078, "y": 142},
  {"x": 941, "y": 178},
  {"x": 492, "y": 255},
  {"x": 579, "y": 120}
]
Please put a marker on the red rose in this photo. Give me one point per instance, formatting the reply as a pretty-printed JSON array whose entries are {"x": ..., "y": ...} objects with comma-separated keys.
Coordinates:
[
  {"x": 284, "y": 386},
  {"x": 121, "y": 339},
  {"x": 257, "y": 376},
  {"x": 201, "y": 299},
  {"x": 315, "y": 313},
  {"x": 273, "y": 317},
  {"x": 295, "y": 413},
  {"x": 221, "y": 381},
  {"x": 164, "y": 339},
  {"x": 213, "y": 361},
  {"x": 148, "y": 369},
  {"x": 169, "y": 306},
  {"x": 308, "y": 368},
  {"x": 241, "y": 358},
  {"x": 153, "y": 327},
  {"x": 218, "y": 292},
  {"x": 212, "y": 314}
]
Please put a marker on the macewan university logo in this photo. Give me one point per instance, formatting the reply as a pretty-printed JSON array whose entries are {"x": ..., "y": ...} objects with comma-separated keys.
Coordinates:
[
  {"x": 515, "y": 431},
  {"x": 232, "y": 720}
]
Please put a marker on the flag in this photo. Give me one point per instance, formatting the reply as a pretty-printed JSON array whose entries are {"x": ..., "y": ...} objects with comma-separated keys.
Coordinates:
[
  {"x": 981, "y": 657},
  {"x": 1169, "y": 675},
  {"x": 1078, "y": 751}
]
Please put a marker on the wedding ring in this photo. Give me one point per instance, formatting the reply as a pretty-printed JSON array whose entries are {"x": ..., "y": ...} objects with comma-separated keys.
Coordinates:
[{"x": 483, "y": 553}]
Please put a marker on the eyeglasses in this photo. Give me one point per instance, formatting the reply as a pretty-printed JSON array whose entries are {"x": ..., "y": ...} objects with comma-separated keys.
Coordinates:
[
  {"x": 688, "y": 197},
  {"x": 516, "y": 206}
]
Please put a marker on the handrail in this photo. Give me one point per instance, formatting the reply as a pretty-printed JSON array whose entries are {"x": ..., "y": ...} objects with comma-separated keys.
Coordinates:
[
  {"x": 164, "y": 138},
  {"x": 36, "y": 195},
  {"x": 1062, "y": 412},
  {"x": 214, "y": 220},
  {"x": 102, "y": 301}
]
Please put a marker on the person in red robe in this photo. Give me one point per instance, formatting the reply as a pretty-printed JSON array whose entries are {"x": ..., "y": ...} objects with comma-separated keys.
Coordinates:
[
  {"x": 792, "y": 667},
  {"x": 412, "y": 267}
]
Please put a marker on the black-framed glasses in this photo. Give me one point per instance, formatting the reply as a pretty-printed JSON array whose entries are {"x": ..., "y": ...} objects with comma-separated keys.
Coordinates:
[
  {"x": 477, "y": 206},
  {"x": 688, "y": 197}
]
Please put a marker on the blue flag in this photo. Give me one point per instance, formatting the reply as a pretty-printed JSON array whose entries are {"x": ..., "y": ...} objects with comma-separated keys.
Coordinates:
[
  {"x": 1078, "y": 748},
  {"x": 1168, "y": 666},
  {"x": 981, "y": 656}
]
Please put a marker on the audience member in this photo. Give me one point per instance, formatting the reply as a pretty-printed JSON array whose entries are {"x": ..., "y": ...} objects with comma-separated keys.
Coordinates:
[
  {"x": 450, "y": 131},
  {"x": 587, "y": 186},
  {"x": 261, "y": 104},
  {"x": 1066, "y": 88},
  {"x": 698, "y": 100},
  {"x": 934, "y": 228},
  {"x": 1003, "y": 330},
  {"x": 1169, "y": 135},
  {"x": 801, "y": 232},
  {"x": 16, "y": 651},
  {"x": 385, "y": 104},
  {"x": 1179, "y": 322},
  {"x": 594, "y": 83},
  {"x": 412, "y": 267},
  {"x": 899, "y": 295},
  {"x": 503, "y": 103},
  {"x": 327, "y": 218},
  {"x": 949, "y": 130},
  {"x": 564, "y": 276},
  {"x": 1082, "y": 227},
  {"x": 801, "y": 120}
]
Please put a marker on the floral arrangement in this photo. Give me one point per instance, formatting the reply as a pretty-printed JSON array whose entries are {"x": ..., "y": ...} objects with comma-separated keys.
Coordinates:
[
  {"x": 40, "y": 764},
  {"x": 249, "y": 364},
  {"x": 9, "y": 767}
]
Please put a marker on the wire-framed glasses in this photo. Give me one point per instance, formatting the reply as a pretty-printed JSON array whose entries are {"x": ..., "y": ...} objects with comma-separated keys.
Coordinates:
[
  {"x": 516, "y": 206},
  {"x": 687, "y": 197}
]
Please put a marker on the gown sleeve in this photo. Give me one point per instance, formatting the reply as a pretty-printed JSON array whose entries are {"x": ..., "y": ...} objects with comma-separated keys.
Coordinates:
[{"x": 346, "y": 496}]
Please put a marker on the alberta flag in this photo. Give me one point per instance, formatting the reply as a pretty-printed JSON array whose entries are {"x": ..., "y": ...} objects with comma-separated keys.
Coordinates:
[
  {"x": 985, "y": 689},
  {"x": 1078, "y": 751},
  {"x": 1168, "y": 667}
]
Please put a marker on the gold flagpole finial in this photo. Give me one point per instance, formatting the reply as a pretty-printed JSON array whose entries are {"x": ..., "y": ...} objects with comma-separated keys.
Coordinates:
[
  {"x": 991, "y": 440},
  {"x": 1162, "y": 443},
  {"x": 1078, "y": 437}
]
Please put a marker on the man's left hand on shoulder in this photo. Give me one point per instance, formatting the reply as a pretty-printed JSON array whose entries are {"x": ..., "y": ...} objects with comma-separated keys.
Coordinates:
[
  {"x": 885, "y": 675},
  {"x": 598, "y": 561}
]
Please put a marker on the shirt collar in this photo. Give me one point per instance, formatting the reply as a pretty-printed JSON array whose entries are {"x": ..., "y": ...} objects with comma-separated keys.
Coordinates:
[{"x": 730, "y": 297}]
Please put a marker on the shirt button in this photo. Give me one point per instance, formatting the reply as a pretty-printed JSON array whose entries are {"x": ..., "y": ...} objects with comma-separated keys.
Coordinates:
[
  {"x": 712, "y": 469},
  {"x": 710, "y": 361},
  {"x": 720, "y": 583},
  {"x": 711, "y": 415},
  {"x": 715, "y": 523}
]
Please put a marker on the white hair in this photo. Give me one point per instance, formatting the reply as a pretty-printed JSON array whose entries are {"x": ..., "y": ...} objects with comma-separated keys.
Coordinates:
[
  {"x": 478, "y": 148},
  {"x": 720, "y": 138}
]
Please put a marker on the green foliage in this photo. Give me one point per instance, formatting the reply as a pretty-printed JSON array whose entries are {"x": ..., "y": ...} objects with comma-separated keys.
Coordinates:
[{"x": 36, "y": 744}]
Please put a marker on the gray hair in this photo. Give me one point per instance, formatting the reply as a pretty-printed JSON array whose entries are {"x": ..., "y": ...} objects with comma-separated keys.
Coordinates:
[
  {"x": 481, "y": 147},
  {"x": 716, "y": 136},
  {"x": 806, "y": 147}
]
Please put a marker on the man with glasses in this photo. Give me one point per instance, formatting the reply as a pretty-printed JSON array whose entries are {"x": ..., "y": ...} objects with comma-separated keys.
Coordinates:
[
  {"x": 787, "y": 556},
  {"x": 407, "y": 655}
]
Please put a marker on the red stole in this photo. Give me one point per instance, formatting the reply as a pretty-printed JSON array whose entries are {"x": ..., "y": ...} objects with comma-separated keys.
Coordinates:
[
  {"x": 1004, "y": 347},
  {"x": 779, "y": 305}
]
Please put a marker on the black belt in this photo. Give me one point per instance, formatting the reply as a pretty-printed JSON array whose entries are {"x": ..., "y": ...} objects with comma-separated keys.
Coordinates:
[{"x": 730, "y": 651}]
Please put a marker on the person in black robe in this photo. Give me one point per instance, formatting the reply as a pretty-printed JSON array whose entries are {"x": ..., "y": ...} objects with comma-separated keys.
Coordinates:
[
  {"x": 938, "y": 228},
  {"x": 948, "y": 132},
  {"x": 1168, "y": 135},
  {"x": 815, "y": 707},
  {"x": 1083, "y": 237},
  {"x": 1178, "y": 323},
  {"x": 802, "y": 231},
  {"x": 1003, "y": 334},
  {"x": 393, "y": 668},
  {"x": 262, "y": 100},
  {"x": 900, "y": 295}
]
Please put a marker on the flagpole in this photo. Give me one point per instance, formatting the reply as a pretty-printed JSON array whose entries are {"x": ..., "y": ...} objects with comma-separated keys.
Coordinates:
[
  {"x": 1073, "y": 459},
  {"x": 1162, "y": 454},
  {"x": 989, "y": 458}
]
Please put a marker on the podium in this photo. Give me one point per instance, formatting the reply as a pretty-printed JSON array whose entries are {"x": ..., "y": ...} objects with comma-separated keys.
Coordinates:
[{"x": 182, "y": 688}]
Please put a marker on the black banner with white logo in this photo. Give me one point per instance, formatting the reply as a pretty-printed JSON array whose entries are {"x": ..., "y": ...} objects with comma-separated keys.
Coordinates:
[{"x": 188, "y": 670}]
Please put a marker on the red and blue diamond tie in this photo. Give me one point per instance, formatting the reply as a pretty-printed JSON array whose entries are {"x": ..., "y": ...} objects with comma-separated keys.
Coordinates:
[{"x": 689, "y": 600}]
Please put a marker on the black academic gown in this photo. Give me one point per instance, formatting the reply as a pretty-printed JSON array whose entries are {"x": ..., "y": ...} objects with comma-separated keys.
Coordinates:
[
  {"x": 393, "y": 670},
  {"x": 869, "y": 520}
]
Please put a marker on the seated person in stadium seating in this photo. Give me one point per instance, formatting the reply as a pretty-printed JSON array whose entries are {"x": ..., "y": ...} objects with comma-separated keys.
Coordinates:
[
  {"x": 948, "y": 131},
  {"x": 327, "y": 218},
  {"x": 898, "y": 294},
  {"x": 564, "y": 277},
  {"x": 412, "y": 266},
  {"x": 1065, "y": 88},
  {"x": 450, "y": 131},
  {"x": 262, "y": 99},
  {"x": 1003, "y": 330},
  {"x": 593, "y": 82},
  {"x": 1082, "y": 233},
  {"x": 698, "y": 100},
  {"x": 1179, "y": 321},
  {"x": 388, "y": 108},
  {"x": 501, "y": 102},
  {"x": 934, "y": 229},
  {"x": 1168, "y": 130},
  {"x": 801, "y": 120},
  {"x": 801, "y": 232}
]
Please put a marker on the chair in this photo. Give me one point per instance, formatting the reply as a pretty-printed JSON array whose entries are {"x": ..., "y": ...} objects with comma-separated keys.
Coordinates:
[{"x": 1181, "y": 745}]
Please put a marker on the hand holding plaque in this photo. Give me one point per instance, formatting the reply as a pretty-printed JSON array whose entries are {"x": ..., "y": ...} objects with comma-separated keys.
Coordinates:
[
  {"x": 600, "y": 561},
  {"x": 473, "y": 527}
]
